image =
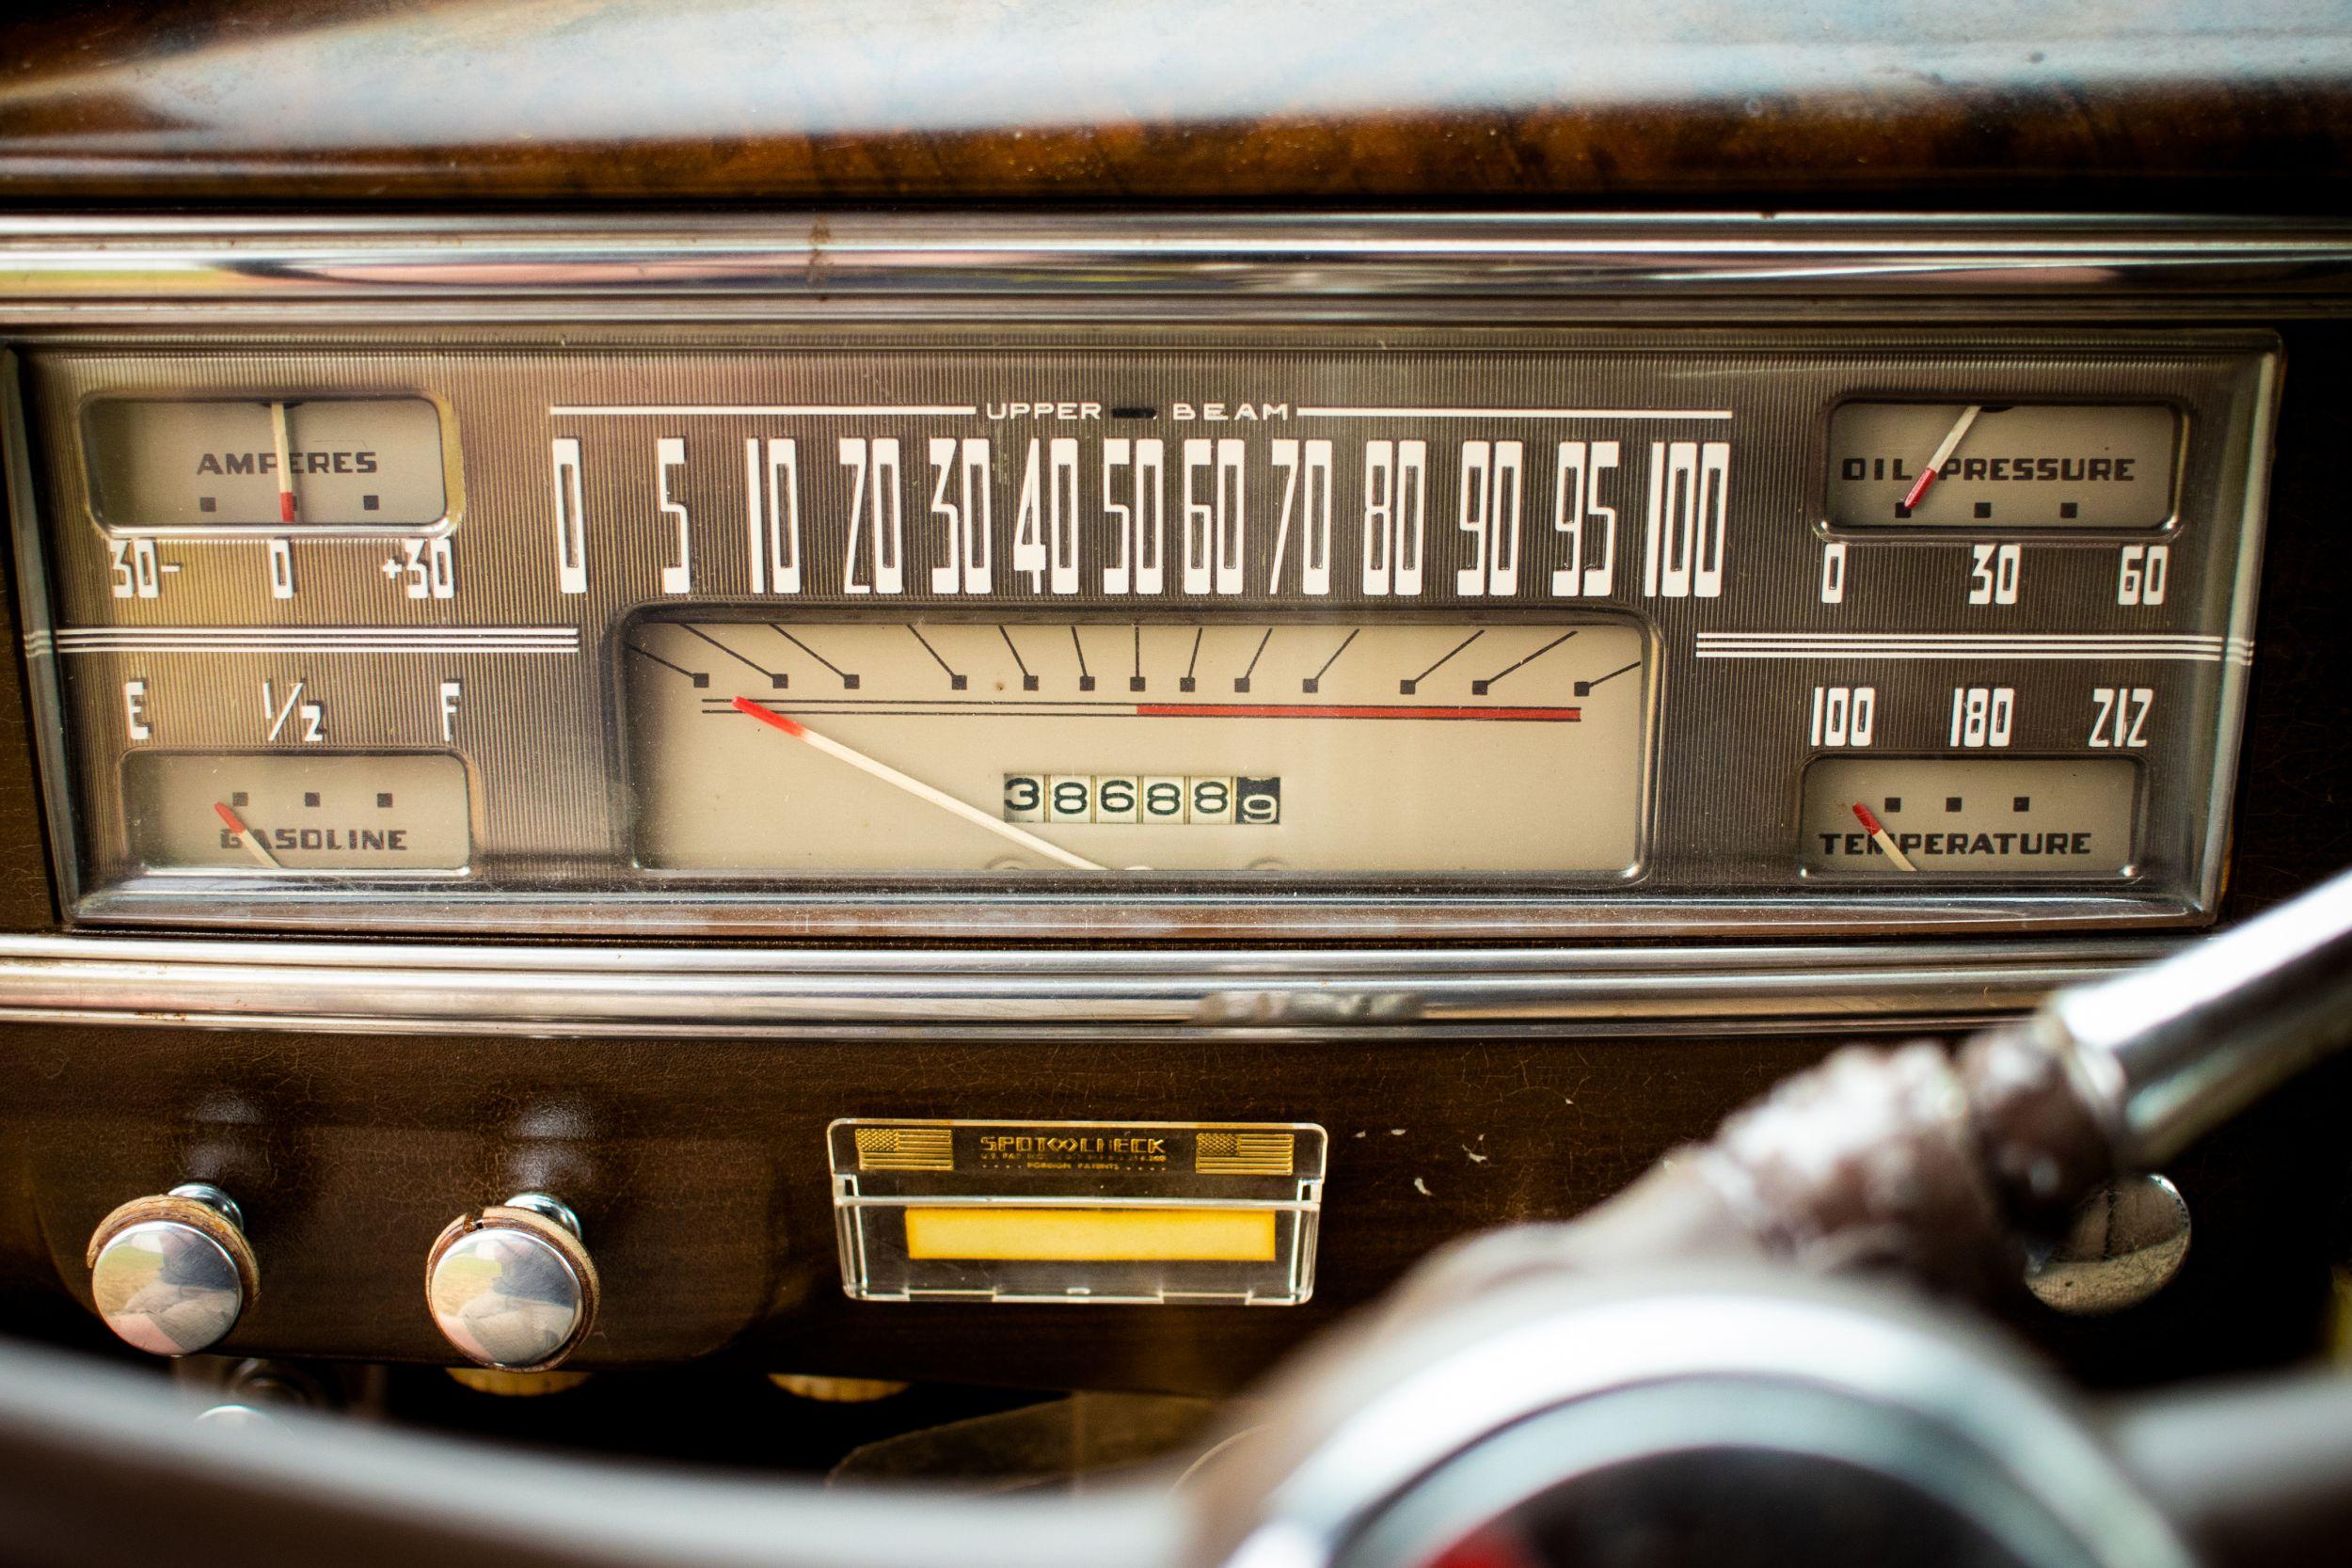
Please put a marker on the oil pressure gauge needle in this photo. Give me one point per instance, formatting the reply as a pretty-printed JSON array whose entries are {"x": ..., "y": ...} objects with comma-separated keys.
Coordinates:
[
  {"x": 1880, "y": 837},
  {"x": 915, "y": 787},
  {"x": 252, "y": 840},
  {"x": 285, "y": 462},
  {"x": 1943, "y": 453}
]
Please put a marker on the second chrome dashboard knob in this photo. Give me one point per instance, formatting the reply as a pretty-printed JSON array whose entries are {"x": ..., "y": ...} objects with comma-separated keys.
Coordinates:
[
  {"x": 172, "y": 1274},
  {"x": 513, "y": 1286}
]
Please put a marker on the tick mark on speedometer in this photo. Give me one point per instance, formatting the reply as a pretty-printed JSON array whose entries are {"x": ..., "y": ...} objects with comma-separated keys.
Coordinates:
[
  {"x": 849, "y": 681},
  {"x": 1241, "y": 682},
  {"x": 956, "y": 682},
  {"x": 1407, "y": 688},
  {"x": 1479, "y": 688},
  {"x": 1314, "y": 683},
  {"x": 700, "y": 680}
]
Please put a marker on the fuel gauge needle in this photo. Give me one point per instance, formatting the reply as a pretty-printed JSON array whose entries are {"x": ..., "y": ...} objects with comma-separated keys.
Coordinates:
[
  {"x": 1880, "y": 837},
  {"x": 252, "y": 840},
  {"x": 285, "y": 462},
  {"x": 915, "y": 787},
  {"x": 1943, "y": 453}
]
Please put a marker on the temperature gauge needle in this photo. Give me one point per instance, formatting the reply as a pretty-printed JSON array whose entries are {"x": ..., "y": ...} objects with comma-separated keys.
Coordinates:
[
  {"x": 915, "y": 787},
  {"x": 252, "y": 840},
  {"x": 1880, "y": 837},
  {"x": 285, "y": 462},
  {"x": 1943, "y": 453}
]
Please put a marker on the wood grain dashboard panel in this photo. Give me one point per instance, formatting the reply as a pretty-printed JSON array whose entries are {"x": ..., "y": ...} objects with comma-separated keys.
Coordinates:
[{"x": 2104, "y": 106}]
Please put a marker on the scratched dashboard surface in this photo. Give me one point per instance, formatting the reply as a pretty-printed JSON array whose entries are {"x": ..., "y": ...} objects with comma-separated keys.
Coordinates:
[{"x": 2117, "y": 104}]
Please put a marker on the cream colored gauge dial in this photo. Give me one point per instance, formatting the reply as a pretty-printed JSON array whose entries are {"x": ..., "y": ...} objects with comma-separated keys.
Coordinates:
[{"x": 923, "y": 746}]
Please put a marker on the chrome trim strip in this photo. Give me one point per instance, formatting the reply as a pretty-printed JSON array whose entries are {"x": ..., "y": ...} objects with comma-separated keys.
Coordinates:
[
  {"x": 725, "y": 991},
  {"x": 147, "y": 269}
]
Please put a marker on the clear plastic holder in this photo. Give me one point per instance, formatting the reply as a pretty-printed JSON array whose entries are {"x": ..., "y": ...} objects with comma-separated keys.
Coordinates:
[{"x": 1136, "y": 1213}]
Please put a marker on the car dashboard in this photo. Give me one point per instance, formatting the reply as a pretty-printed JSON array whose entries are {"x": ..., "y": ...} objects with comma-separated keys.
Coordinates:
[{"x": 1053, "y": 793}]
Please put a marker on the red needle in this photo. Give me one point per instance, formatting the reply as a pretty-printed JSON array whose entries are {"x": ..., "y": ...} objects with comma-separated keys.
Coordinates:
[
  {"x": 1943, "y": 455},
  {"x": 1879, "y": 836},
  {"x": 252, "y": 840}
]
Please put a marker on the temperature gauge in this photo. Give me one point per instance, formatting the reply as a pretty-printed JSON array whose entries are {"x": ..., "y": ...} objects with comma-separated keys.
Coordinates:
[
  {"x": 1997, "y": 468},
  {"x": 1939, "y": 817},
  {"x": 288, "y": 813}
]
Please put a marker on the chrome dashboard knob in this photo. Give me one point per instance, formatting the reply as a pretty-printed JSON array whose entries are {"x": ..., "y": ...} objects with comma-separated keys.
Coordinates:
[
  {"x": 172, "y": 1274},
  {"x": 512, "y": 1286}
]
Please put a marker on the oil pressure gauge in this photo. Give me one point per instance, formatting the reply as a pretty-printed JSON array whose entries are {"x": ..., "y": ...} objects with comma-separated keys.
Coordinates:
[{"x": 1993, "y": 467}]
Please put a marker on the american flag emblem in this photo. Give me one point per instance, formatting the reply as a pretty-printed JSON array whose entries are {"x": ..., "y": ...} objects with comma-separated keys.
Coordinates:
[
  {"x": 1243, "y": 1153},
  {"x": 906, "y": 1148}
]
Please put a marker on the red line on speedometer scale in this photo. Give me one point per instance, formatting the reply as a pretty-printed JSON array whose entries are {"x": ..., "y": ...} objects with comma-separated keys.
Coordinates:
[{"x": 1321, "y": 710}]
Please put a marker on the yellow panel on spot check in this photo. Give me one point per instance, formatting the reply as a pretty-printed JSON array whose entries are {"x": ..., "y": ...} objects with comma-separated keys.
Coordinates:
[{"x": 1093, "y": 1235}]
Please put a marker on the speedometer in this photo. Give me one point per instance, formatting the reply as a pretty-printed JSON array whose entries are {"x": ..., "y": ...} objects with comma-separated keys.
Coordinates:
[
  {"x": 1103, "y": 746},
  {"x": 1316, "y": 631}
]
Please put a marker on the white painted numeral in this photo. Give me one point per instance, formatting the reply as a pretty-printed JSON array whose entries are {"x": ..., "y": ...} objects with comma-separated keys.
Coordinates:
[
  {"x": 1214, "y": 526},
  {"x": 1307, "y": 496},
  {"x": 1682, "y": 556},
  {"x": 1833, "y": 573},
  {"x": 2145, "y": 570},
  {"x": 308, "y": 720},
  {"x": 1588, "y": 530},
  {"x": 1396, "y": 485},
  {"x": 428, "y": 569},
  {"x": 1845, "y": 715},
  {"x": 135, "y": 574},
  {"x": 571, "y": 524},
  {"x": 281, "y": 575},
  {"x": 2120, "y": 716},
  {"x": 1993, "y": 573},
  {"x": 967, "y": 521},
  {"x": 772, "y": 514},
  {"x": 1983, "y": 716},
  {"x": 1138, "y": 527},
  {"x": 876, "y": 511},
  {"x": 1493, "y": 486},
  {"x": 1045, "y": 534},
  {"x": 670, "y": 457}
]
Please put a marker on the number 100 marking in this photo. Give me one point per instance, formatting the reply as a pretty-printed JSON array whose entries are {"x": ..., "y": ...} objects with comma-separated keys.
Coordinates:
[{"x": 1845, "y": 715}]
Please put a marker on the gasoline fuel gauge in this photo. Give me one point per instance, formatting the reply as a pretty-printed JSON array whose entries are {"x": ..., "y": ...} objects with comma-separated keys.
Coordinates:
[{"x": 298, "y": 814}]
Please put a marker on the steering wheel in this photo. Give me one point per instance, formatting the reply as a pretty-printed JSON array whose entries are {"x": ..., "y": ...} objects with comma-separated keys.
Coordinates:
[{"x": 1730, "y": 1363}]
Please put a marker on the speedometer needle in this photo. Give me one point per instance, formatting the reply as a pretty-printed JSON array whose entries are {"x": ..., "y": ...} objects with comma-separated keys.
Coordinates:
[
  {"x": 915, "y": 787},
  {"x": 1943, "y": 453},
  {"x": 252, "y": 840}
]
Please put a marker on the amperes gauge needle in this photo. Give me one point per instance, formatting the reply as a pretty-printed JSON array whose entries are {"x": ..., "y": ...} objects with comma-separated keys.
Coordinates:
[
  {"x": 285, "y": 462},
  {"x": 1943, "y": 453},
  {"x": 252, "y": 840},
  {"x": 1880, "y": 837},
  {"x": 915, "y": 787}
]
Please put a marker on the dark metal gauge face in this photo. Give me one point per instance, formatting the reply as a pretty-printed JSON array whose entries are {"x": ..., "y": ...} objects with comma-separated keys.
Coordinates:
[{"x": 1308, "y": 633}]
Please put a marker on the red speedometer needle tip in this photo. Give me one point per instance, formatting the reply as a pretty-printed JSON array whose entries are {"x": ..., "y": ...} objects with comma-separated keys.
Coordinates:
[
  {"x": 1869, "y": 823},
  {"x": 1911, "y": 501},
  {"x": 229, "y": 817},
  {"x": 769, "y": 716}
]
